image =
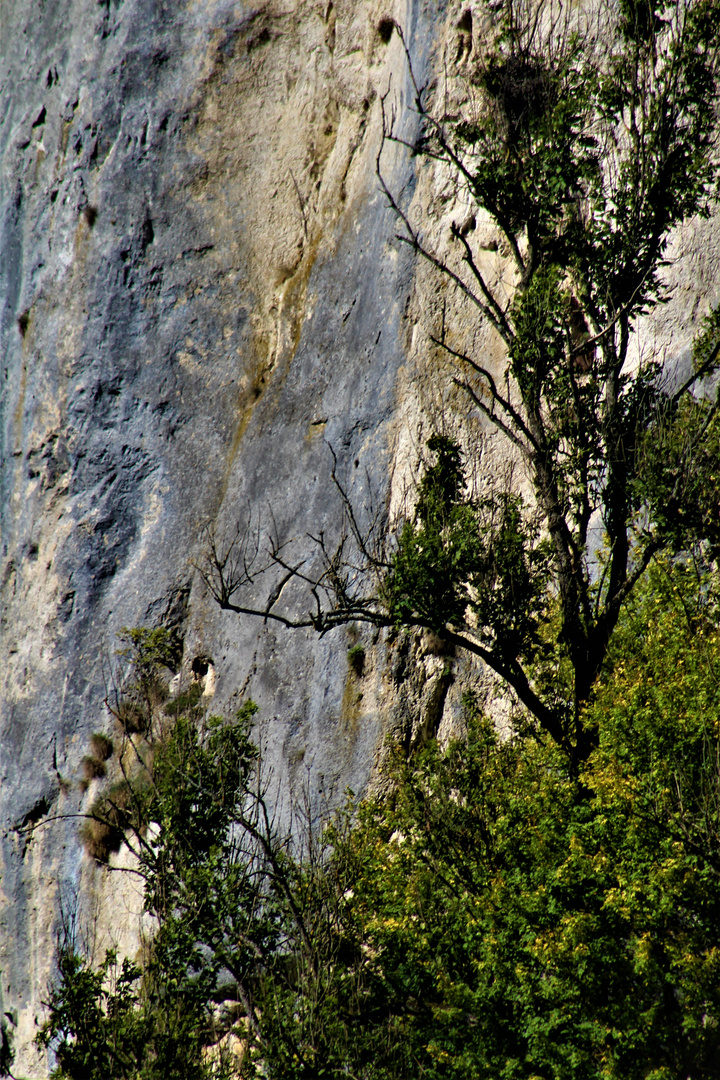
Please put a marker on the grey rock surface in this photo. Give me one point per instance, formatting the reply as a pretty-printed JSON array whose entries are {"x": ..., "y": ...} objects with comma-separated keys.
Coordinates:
[{"x": 197, "y": 292}]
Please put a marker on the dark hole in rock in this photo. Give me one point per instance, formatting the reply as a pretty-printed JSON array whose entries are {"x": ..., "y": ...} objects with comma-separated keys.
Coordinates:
[
  {"x": 260, "y": 39},
  {"x": 147, "y": 233},
  {"x": 385, "y": 29},
  {"x": 200, "y": 666},
  {"x": 39, "y": 810}
]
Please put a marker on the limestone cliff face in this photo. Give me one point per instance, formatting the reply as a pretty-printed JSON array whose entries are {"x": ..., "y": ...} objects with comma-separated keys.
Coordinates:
[{"x": 198, "y": 292}]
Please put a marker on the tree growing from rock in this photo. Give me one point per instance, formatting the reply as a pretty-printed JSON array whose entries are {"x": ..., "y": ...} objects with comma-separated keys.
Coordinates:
[{"x": 587, "y": 137}]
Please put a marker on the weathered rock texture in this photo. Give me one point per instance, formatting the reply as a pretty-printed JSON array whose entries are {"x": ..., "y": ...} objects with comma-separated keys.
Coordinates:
[
  {"x": 199, "y": 291},
  {"x": 196, "y": 290}
]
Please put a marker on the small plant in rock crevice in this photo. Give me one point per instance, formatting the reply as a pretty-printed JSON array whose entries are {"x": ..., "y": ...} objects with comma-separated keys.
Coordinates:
[{"x": 356, "y": 659}]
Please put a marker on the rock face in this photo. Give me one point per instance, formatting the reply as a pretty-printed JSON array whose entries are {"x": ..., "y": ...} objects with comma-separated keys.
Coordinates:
[{"x": 198, "y": 293}]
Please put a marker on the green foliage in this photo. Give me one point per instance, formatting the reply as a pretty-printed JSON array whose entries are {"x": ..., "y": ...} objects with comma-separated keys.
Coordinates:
[
  {"x": 497, "y": 914},
  {"x": 206, "y": 896},
  {"x": 148, "y": 649},
  {"x": 356, "y": 658},
  {"x": 521, "y": 922},
  {"x": 92, "y": 1018},
  {"x": 462, "y": 553},
  {"x": 150, "y": 652},
  {"x": 545, "y": 144},
  {"x": 116, "y": 1021},
  {"x": 186, "y": 701},
  {"x": 181, "y": 796},
  {"x": 679, "y": 481}
]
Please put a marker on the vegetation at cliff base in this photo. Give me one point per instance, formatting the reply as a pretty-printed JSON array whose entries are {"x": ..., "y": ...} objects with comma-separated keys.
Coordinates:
[
  {"x": 525, "y": 922},
  {"x": 494, "y": 915}
]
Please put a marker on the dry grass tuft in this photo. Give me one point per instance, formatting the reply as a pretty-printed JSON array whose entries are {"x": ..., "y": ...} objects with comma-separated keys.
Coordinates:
[
  {"x": 104, "y": 831},
  {"x": 101, "y": 746},
  {"x": 92, "y": 768}
]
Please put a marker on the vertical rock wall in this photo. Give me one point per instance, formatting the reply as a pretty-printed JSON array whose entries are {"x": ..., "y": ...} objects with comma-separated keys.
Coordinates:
[{"x": 198, "y": 293}]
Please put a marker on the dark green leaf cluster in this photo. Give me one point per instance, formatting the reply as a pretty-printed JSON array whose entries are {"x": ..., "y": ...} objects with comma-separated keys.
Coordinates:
[
  {"x": 680, "y": 480},
  {"x": 522, "y": 922},
  {"x": 465, "y": 558},
  {"x": 93, "y": 1021},
  {"x": 595, "y": 146},
  {"x": 148, "y": 649},
  {"x": 240, "y": 971}
]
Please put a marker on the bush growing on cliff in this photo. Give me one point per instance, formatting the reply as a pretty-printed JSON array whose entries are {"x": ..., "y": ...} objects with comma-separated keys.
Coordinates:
[
  {"x": 205, "y": 850},
  {"x": 238, "y": 920}
]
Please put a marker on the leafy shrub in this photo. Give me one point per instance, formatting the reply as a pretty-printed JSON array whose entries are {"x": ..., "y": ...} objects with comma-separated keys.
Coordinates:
[{"x": 495, "y": 915}]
